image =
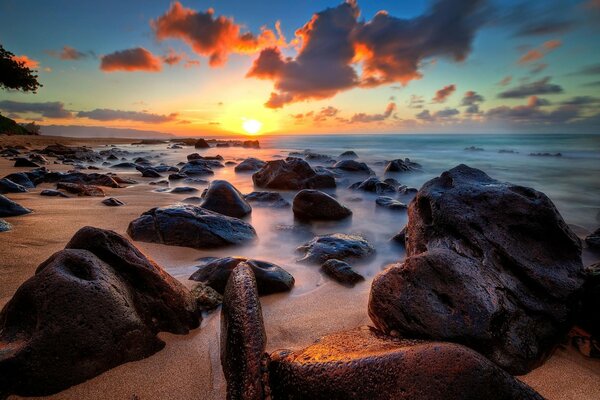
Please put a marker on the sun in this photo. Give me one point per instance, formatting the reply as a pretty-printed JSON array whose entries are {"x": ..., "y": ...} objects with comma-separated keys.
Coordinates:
[{"x": 251, "y": 126}]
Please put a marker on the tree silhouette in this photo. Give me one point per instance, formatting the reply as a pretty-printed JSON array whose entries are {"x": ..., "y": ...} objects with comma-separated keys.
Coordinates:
[{"x": 15, "y": 75}]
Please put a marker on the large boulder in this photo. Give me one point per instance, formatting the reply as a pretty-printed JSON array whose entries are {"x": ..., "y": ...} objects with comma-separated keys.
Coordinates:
[
  {"x": 338, "y": 246},
  {"x": 489, "y": 264},
  {"x": 400, "y": 165},
  {"x": 190, "y": 226},
  {"x": 270, "y": 278},
  {"x": 9, "y": 208},
  {"x": 224, "y": 198},
  {"x": 291, "y": 174},
  {"x": 201, "y": 144},
  {"x": 243, "y": 338},
  {"x": 249, "y": 165},
  {"x": 366, "y": 364},
  {"x": 88, "y": 308},
  {"x": 8, "y": 186},
  {"x": 312, "y": 204}
]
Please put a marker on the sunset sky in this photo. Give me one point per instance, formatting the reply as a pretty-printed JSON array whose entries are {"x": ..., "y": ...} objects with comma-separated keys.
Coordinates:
[{"x": 209, "y": 67}]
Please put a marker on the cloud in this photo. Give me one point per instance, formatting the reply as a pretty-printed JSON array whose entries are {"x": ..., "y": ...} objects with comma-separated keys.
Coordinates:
[
  {"x": 210, "y": 35},
  {"x": 543, "y": 86},
  {"x": 589, "y": 70},
  {"x": 68, "y": 54},
  {"x": 388, "y": 49},
  {"x": 505, "y": 81},
  {"x": 27, "y": 62},
  {"x": 539, "y": 18},
  {"x": 51, "y": 109},
  {"x": 471, "y": 98},
  {"x": 581, "y": 101},
  {"x": 105, "y": 114},
  {"x": 136, "y": 59},
  {"x": 539, "y": 53},
  {"x": 416, "y": 101},
  {"x": 532, "y": 114},
  {"x": 444, "y": 114},
  {"x": 325, "y": 113},
  {"x": 173, "y": 58},
  {"x": 365, "y": 118},
  {"x": 442, "y": 95}
]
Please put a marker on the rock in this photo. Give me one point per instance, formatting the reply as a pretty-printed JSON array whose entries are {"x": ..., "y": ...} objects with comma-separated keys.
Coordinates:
[
  {"x": 390, "y": 203},
  {"x": 399, "y": 165},
  {"x": 125, "y": 165},
  {"x": 72, "y": 153},
  {"x": 4, "y": 227},
  {"x": 150, "y": 173},
  {"x": 251, "y": 144},
  {"x": 177, "y": 177},
  {"x": 338, "y": 246},
  {"x": 8, "y": 186},
  {"x": 82, "y": 179},
  {"x": 189, "y": 226},
  {"x": 407, "y": 191},
  {"x": 249, "y": 165},
  {"x": 270, "y": 278},
  {"x": 193, "y": 200},
  {"x": 112, "y": 202},
  {"x": 24, "y": 162},
  {"x": 365, "y": 364},
  {"x": 266, "y": 199},
  {"x": 88, "y": 308},
  {"x": 9, "y": 208},
  {"x": 20, "y": 178},
  {"x": 473, "y": 148},
  {"x": 400, "y": 237},
  {"x": 489, "y": 265},
  {"x": 243, "y": 338},
  {"x": 194, "y": 156},
  {"x": 341, "y": 272},
  {"x": 206, "y": 297},
  {"x": 373, "y": 185},
  {"x": 52, "y": 193},
  {"x": 353, "y": 167},
  {"x": 291, "y": 174},
  {"x": 545, "y": 154},
  {"x": 223, "y": 145},
  {"x": 348, "y": 155},
  {"x": 593, "y": 240},
  {"x": 201, "y": 144},
  {"x": 183, "y": 189},
  {"x": 195, "y": 168},
  {"x": 315, "y": 205},
  {"x": 222, "y": 197},
  {"x": 81, "y": 190}
]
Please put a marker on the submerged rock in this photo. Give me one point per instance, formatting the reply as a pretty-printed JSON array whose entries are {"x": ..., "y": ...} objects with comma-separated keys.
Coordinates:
[
  {"x": 291, "y": 174},
  {"x": 9, "y": 208},
  {"x": 270, "y": 278},
  {"x": 365, "y": 364},
  {"x": 88, "y": 308},
  {"x": 266, "y": 199},
  {"x": 190, "y": 226},
  {"x": 222, "y": 197},
  {"x": 400, "y": 165},
  {"x": 338, "y": 246},
  {"x": 249, "y": 165},
  {"x": 341, "y": 272},
  {"x": 489, "y": 265},
  {"x": 315, "y": 205}
]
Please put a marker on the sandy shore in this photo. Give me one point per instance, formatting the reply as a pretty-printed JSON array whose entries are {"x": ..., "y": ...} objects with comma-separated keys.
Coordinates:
[{"x": 189, "y": 366}]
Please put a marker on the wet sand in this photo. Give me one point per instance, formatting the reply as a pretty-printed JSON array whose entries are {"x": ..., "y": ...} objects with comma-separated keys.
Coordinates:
[{"x": 189, "y": 366}]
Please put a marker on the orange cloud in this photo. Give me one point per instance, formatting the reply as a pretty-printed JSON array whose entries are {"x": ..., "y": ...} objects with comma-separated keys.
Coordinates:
[
  {"x": 212, "y": 36},
  {"x": 136, "y": 59},
  {"x": 537, "y": 54},
  {"x": 443, "y": 94},
  {"x": 27, "y": 62}
]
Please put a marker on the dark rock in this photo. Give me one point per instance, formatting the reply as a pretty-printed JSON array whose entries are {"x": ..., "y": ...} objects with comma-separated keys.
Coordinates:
[
  {"x": 82, "y": 179},
  {"x": 125, "y": 165},
  {"x": 402, "y": 166},
  {"x": 183, "y": 189},
  {"x": 222, "y": 197},
  {"x": 365, "y": 364},
  {"x": 223, "y": 145},
  {"x": 243, "y": 338},
  {"x": 473, "y": 148},
  {"x": 338, "y": 246},
  {"x": 81, "y": 190},
  {"x": 24, "y": 162},
  {"x": 193, "y": 200},
  {"x": 315, "y": 205},
  {"x": 348, "y": 155},
  {"x": 21, "y": 178},
  {"x": 201, "y": 144},
  {"x": 291, "y": 174},
  {"x": 270, "y": 278},
  {"x": 196, "y": 168},
  {"x": 353, "y": 167},
  {"x": 52, "y": 193},
  {"x": 400, "y": 237},
  {"x": 112, "y": 202},
  {"x": 251, "y": 144},
  {"x": 4, "y": 227},
  {"x": 546, "y": 154},
  {"x": 72, "y": 153},
  {"x": 407, "y": 191},
  {"x": 190, "y": 226},
  {"x": 266, "y": 199},
  {"x": 9, "y": 208},
  {"x": 593, "y": 240},
  {"x": 206, "y": 297},
  {"x": 8, "y": 186},
  {"x": 89, "y": 308},
  {"x": 159, "y": 183},
  {"x": 589, "y": 317},
  {"x": 150, "y": 173},
  {"x": 341, "y": 272},
  {"x": 489, "y": 264},
  {"x": 249, "y": 165},
  {"x": 149, "y": 142},
  {"x": 176, "y": 177},
  {"x": 390, "y": 203},
  {"x": 373, "y": 185}
]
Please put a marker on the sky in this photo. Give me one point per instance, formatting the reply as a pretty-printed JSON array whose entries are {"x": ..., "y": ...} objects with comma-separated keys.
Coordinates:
[{"x": 224, "y": 67}]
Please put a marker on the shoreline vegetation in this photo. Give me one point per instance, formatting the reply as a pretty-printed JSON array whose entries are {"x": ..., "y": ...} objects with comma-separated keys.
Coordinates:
[{"x": 118, "y": 253}]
